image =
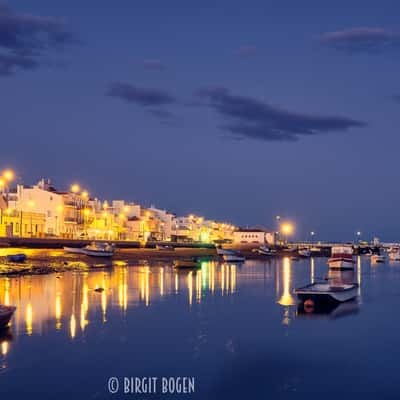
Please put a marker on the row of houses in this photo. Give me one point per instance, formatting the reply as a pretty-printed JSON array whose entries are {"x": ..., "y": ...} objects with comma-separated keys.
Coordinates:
[{"x": 42, "y": 210}]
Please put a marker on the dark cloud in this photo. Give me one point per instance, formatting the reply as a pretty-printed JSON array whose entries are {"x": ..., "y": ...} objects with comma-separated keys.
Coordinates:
[
  {"x": 246, "y": 51},
  {"x": 250, "y": 118},
  {"x": 145, "y": 97},
  {"x": 153, "y": 100},
  {"x": 154, "y": 65},
  {"x": 25, "y": 39},
  {"x": 361, "y": 40}
]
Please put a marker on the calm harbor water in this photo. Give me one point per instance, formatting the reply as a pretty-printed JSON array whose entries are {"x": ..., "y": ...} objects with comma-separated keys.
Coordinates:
[{"x": 235, "y": 328}]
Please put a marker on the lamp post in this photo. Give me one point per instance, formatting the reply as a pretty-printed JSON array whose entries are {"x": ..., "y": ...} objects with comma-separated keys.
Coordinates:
[
  {"x": 31, "y": 205},
  {"x": 312, "y": 233},
  {"x": 358, "y": 236},
  {"x": 277, "y": 218}
]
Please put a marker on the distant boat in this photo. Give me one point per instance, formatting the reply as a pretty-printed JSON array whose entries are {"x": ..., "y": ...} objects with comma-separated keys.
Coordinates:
[
  {"x": 377, "y": 258},
  {"x": 187, "y": 264},
  {"x": 325, "y": 292},
  {"x": 6, "y": 313},
  {"x": 265, "y": 251},
  {"x": 341, "y": 257},
  {"x": 74, "y": 250},
  {"x": 97, "y": 249},
  {"x": 236, "y": 257},
  {"x": 165, "y": 247},
  {"x": 305, "y": 253},
  {"x": 17, "y": 258},
  {"x": 394, "y": 255}
]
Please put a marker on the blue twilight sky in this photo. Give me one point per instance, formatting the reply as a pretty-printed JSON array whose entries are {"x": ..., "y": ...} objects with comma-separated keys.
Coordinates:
[{"x": 234, "y": 110}]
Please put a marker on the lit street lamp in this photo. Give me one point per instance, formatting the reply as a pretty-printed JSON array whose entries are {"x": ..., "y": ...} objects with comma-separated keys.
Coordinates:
[{"x": 287, "y": 229}]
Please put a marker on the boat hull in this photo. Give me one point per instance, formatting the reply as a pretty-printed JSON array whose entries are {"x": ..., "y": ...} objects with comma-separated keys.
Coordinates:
[
  {"x": 327, "y": 294},
  {"x": 73, "y": 250},
  {"x": 341, "y": 263},
  {"x": 95, "y": 253}
]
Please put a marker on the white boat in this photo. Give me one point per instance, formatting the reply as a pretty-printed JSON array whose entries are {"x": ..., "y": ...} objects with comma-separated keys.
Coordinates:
[
  {"x": 233, "y": 257},
  {"x": 326, "y": 292},
  {"x": 341, "y": 257},
  {"x": 97, "y": 249},
  {"x": 377, "y": 258},
  {"x": 305, "y": 253},
  {"x": 73, "y": 250},
  {"x": 265, "y": 251},
  {"x": 6, "y": 313}
]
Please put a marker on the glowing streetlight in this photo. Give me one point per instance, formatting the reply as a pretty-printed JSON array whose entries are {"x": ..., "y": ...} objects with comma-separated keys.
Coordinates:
[
  {"x": 85, "y": 195},
  {"x": 86, "y": 211},
  {"x": 126, "y": 209},
  {"x": 75, "y": 188},
  {"x": 287, "y": 229},
  {"x": 8, "y": 175}
]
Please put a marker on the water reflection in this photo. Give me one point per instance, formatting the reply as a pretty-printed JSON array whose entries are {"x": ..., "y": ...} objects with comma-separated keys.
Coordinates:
[{"x": 70, "y": 302}]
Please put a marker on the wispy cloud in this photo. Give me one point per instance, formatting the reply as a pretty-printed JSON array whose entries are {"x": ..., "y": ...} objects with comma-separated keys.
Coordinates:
[
  {"x": 361, "y": 40},
  {"x": 25, "y": 39},
  {"x": 246, "y": 51},
  {"x": 251, "y": 118},
  {"x": 154, "y": 65},
  {"x": 153, "y": 100}
]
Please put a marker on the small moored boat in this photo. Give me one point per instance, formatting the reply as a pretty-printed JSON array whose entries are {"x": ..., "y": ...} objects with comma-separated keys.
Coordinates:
[
  {"x": 342, "y": 257},
  {"x": 97, "y": 249},
  {"x": 17, "y": 258},
  {"x": 6, "y": 313},
  {"x": 304, "y": 253},
  {"x": 325, "y": 292},
  {"x": 265, "y": 251}
]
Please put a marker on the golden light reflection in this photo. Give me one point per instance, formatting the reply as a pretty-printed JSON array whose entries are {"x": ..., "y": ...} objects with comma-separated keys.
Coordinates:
[
  {"x": 29, "y": 319},
  {"x": 222, "y": 279},
  {"x": 233, "y": 278},
  {"x": 58, "y": 310},
  {"x": 104, "y": 300},
  {"x": 123, "y": 289},
  {"x": 84, "y": 304},
  {"x": 7, "y": 292},
  {"x": 190, "y": 287},
  {"x": 4, "y": 348},
  {"x": 286, "y": 298},
  {"x": 198, "y": 286},
  {"x": 72, "y": 326},
  {"x": 176, "y": 283},
  {"x": 312, "y": 270},
  {"x": 161, "y": 281}
]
